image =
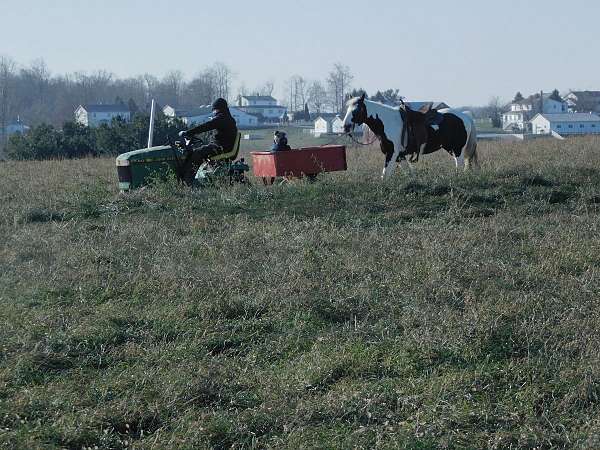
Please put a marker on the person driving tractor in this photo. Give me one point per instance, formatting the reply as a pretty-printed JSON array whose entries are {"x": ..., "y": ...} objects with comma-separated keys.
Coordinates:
[{"x": 223, "y": 141}]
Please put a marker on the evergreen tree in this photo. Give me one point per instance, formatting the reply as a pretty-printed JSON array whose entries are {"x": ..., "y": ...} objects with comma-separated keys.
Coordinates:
[
  {"x": 77, "y": 141},
  {"x": 556, "y": 95}
]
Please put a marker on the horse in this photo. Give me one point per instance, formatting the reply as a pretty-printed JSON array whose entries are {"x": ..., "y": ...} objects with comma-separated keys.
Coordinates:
[{"x": 403, "y": 132}]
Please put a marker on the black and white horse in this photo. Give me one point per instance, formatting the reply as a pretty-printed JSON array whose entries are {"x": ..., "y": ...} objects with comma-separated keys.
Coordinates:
[{"x": 403, "y": 132}]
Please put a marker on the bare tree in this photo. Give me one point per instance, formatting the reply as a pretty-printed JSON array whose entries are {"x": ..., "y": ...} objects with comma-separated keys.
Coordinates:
[
  {"x": 202, "y": 89},
  {"x": 317, "y": 96},
  {"x": 96, "y": 87},
  {"x": 223, "y": 76},
  {"x": 172, "y": 87},
  {"x": 7, "y": 73},
  {"x": 495, "y": 111},
  {"x": 339, "y": 81},
  {"x": 133, "y": 90},
  {"x": 297, "y": 90},
  {"x": 38, "y": 77},
  {"x": 151, "y": 84},
  {"x": 300, "y": 88},
  {"x": 267, "y": 88}
]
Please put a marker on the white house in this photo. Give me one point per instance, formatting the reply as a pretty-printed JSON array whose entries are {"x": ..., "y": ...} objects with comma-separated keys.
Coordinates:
[
  {"x": 583, "y": 101},
  {"x": 331, "y": 124},
  {"x": 201, "y": 114},
  {"x": 324, "y": 124},
  {"x": 243, "y": 119},
  {"x": 566, "y": 124},
  {"x": 264, "y": 107},
  {"x": 521, "y": 112},
  {"x": 258, "y": 100},
  {"x": 96, "y": 115}
]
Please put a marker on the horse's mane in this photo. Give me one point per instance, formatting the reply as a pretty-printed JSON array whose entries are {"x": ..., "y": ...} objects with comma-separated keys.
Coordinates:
[
  {"x": 355, "y": 100},
  {"x": 383, "y": 105}
]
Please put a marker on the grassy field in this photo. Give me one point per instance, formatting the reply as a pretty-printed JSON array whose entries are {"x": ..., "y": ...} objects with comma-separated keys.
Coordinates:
[{"x": 437, "y": 311}]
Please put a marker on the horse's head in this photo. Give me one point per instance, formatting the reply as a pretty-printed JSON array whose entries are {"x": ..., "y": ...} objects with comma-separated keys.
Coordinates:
[{"x": 356, "y": 114}]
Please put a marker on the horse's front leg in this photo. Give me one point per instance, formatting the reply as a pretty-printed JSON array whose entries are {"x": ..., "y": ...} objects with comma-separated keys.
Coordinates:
[
  {"x": 390, "y": 161},
  {"x": 392, "y": 157}
]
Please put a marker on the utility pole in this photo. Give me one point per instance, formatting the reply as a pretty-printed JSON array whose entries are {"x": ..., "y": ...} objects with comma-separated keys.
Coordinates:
[{"x": 151, "y": 128}]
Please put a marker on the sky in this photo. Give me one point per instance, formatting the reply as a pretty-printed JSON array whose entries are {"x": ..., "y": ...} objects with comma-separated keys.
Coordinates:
[{"x": 463, "y": 52}]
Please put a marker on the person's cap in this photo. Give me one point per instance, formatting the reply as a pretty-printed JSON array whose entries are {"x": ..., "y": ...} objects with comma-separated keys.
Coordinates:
[{"x": 220, "y": 104}]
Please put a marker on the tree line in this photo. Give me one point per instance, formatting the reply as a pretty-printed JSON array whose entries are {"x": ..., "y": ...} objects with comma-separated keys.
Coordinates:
[
  {"x": 74, "y": 140},
  {"x": 37, "y": 96}
]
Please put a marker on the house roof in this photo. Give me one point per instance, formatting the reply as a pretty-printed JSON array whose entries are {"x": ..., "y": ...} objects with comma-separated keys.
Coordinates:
[
  {"x": 106, "y": 108},
  {"x": 260, "y": 107},
  {"x": 195, "y": 111},
  {"x": 259, "y": 97},
  {"x": 205, "y": 110},
  {"x": 570, "y": 117},
  {"x": 585, "y": 95},
  {"x": 240, "y": 111},
  {"x": 327, "y": 116}
]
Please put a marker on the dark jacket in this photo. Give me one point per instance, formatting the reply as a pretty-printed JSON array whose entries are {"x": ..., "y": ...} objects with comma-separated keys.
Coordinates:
[{"x": 225, "y": 126}]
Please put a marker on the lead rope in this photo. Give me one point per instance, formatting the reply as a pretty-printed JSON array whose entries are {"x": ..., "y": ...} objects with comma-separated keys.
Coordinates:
[
  {"x": 337, "y": 139},
  {"x": 364, "y": 144}
]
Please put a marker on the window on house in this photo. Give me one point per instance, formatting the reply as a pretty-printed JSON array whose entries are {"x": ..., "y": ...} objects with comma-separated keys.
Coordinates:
[
  {"x": 570, "y": 126},
  {"x": 581, "y": 126},
  {"x": 558, "y": 126}
]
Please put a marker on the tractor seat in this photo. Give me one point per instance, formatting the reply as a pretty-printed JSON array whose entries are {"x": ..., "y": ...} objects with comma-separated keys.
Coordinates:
[{"x": 231, "y": 155}]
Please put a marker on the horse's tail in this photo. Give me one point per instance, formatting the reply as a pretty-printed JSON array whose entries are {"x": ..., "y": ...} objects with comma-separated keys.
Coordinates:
[{"x": 471, "y": 160}]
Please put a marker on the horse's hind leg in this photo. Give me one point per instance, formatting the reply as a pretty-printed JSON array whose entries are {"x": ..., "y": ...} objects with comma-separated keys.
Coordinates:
[
  {"x": 404, "y": 163},
  {"x": 471, "y": 159},
  {"x": 460, "y": 161}
]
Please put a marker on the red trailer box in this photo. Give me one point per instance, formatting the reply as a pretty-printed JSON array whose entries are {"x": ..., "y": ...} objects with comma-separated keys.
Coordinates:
[{"x": 308, "y": 161}]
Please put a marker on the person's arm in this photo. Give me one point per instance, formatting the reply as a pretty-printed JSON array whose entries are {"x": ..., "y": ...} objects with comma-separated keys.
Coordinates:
[{"x": 204, "y": 127}]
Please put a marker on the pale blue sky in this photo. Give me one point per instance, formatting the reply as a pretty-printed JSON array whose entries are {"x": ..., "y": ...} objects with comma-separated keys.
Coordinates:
[{"x": 460, "y": 51}]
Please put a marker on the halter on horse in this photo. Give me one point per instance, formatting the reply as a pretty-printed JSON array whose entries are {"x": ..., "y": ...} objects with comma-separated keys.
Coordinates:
[{"x": 404, "y": 133}]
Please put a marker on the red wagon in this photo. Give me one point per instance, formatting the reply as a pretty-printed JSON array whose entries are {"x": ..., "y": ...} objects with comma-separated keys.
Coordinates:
[{"x": 308, "y": 161}]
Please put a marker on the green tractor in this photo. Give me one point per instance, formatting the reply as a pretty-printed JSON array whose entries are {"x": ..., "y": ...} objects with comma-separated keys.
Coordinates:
[{"x": 138, "y": 168}]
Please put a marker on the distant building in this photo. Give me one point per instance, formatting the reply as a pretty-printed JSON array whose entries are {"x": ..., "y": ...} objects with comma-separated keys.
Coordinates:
[
  {"x": 264, "y": 107},
  {"x": 327, "y": 123},
  {"x": 196, "y": 115},
  {"x": 96, "y": 115},
  {"x": 324, "y": 124},
  {"x": 243, "y": 119},
  {"x": 16, "y": 127},
  {"x": 189, "y": 115},
  {"x": 583, "y": 101},
  {"x": 520, "y": 114},
  {"x": 566, "y": 124}
]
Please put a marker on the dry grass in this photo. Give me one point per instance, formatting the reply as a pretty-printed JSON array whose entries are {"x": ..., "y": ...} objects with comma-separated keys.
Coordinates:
[{"x": 435, "y": 311}]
